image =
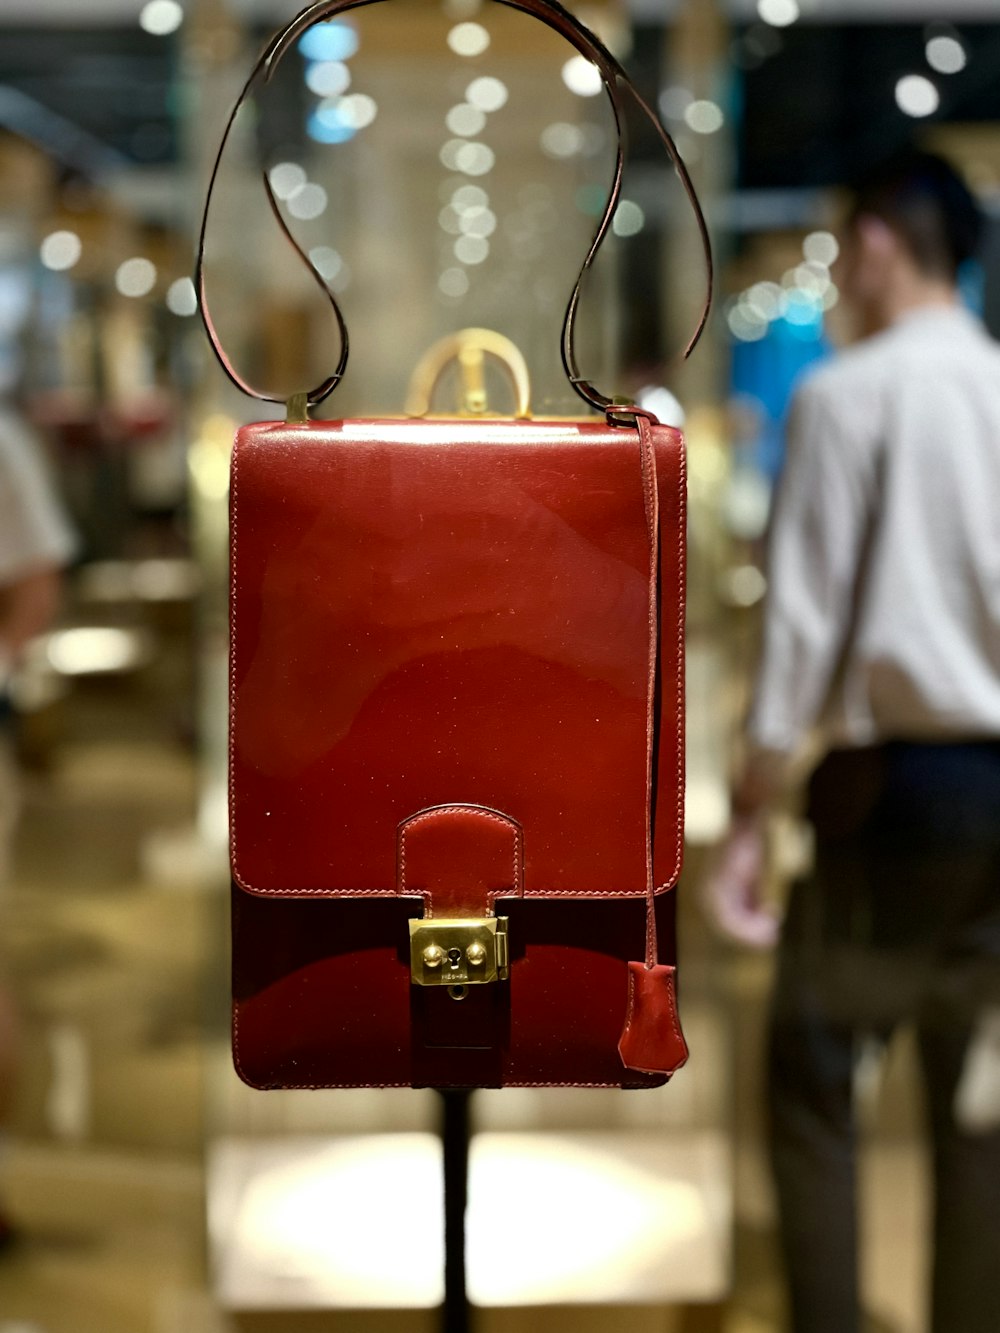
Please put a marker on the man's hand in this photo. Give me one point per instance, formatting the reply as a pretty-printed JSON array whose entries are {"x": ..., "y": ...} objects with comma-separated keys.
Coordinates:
[{"x": 731, "y": 891}]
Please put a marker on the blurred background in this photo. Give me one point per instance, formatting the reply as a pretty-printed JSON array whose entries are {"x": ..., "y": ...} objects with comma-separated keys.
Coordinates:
[{"x": 442, "y": 163}]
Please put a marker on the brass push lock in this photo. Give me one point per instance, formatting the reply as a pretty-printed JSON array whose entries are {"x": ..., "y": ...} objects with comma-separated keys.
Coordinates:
[{"x": 458, "y": 951}]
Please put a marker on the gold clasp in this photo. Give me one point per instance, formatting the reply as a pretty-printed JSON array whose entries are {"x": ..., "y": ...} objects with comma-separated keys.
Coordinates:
[{"x": 458, "y": 951}]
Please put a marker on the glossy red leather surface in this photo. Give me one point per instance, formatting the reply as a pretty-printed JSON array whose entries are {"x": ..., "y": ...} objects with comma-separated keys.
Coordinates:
[
  {"x": 447, "y": 614},
  {"x": 322, "y": 996},
  {"x": 428, "y": 613}
]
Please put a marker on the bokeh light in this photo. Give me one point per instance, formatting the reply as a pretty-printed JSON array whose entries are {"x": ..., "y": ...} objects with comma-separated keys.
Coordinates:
[
  {"x": 181, "y": 298},
  {"x": 486, "y": 93},
  {"x": 60, "y": 250},
  {"x": 161, "y": 17},
  {"x": 335, "y": 40},
  {"x": 136, "y": 277},
  {"x": 468, "y": 39},
  {"x": 581, "y": 76},
  {"x": 917, "y": 96},
  {"x": 946, "y": 55}
]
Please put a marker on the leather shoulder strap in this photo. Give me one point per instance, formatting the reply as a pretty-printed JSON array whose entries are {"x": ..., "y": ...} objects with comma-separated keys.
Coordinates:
[{"x": 614, "y": 77}]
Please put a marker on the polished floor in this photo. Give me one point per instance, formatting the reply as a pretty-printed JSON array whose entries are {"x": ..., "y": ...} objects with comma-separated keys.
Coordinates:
[{"x": 114, "y": 940}]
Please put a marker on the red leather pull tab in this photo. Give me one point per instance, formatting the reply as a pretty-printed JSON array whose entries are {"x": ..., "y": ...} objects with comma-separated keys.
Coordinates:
[{"x": 652, "y": 1041}]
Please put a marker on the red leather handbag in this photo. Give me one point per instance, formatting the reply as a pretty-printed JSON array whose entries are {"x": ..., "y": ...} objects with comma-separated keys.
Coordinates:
[{"x": 457, "y": 730}]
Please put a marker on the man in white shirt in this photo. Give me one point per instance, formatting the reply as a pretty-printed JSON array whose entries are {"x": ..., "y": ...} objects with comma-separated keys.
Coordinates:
[
  {"x": 882, "y": 632},
  {"x": 35, "y": 543}
]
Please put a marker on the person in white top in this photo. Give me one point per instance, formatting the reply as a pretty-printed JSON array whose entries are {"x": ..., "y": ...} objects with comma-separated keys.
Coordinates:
[
  {"x": 35, "y": 543},
  {"x": 881, "y": 638}
]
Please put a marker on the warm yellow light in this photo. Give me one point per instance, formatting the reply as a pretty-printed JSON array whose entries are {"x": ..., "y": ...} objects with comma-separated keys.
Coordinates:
[
  {"x": 581, "y": 76},
  {"x": 468, "y": 39},
  {"x": 61, "y": 250},
  {"x": 136, "y": 277}
]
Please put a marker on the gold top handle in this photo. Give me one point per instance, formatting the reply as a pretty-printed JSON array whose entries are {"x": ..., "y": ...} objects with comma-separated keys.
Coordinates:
[{"x": 469, "y": 348}]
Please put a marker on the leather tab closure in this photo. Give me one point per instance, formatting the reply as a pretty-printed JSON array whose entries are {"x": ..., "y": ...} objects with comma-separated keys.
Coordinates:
[{"x": 459, "y": 859}]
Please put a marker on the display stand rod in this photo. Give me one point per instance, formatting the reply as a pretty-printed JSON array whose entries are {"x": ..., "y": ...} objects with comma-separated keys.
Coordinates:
[{"x": 456, "y": 1317}]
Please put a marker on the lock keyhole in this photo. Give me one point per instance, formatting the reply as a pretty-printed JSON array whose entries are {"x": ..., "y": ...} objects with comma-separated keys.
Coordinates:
[{"x": 454, "y": 959}]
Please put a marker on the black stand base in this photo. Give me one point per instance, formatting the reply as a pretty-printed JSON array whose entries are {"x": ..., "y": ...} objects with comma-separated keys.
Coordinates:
[{"x": 456, "y": 1316}]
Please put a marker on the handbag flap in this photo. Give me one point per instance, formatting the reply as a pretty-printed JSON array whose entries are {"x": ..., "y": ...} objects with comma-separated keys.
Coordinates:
[{"x": 427, "y": 613}]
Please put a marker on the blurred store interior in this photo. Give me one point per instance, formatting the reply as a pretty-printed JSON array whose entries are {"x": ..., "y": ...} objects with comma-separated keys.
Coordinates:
[{"x": 441, "y": 162}]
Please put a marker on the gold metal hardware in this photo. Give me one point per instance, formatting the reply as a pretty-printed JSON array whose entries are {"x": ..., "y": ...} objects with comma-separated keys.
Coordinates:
[
  {"x": 469, "y": 347},
  {"x": 458, "y": 951},
  {"x": 297, "y": 409}
]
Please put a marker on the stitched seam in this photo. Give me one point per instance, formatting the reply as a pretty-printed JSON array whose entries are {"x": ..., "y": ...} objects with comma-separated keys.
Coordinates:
[
  {"x": 258, "y": 892},
  {"x": 496, "y": 818},
  {"x": 335, "y": 894},
  {"x": 651, "y": 504},
  {"x": 234, "y": 497},
  {"x": 679, "y": 673},
  {"x": 630, "y": 1011},
  {"x": 675, "y": 1021}
]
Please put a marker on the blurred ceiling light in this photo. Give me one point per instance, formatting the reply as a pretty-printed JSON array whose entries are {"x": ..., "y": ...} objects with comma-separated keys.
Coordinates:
[
  {"x": 764, "y": 299},
  {"x": 357, "y": 110},
  {"x": 286, "y": 178},
  {"x": 326, "y": 261},
  {"x": 308, "y": 203},
  {"x": 60, "y": 250},
  {"x": 821, "y": 247},
  {"x": 675, "y": 101},
  {"x": 335, "y": 40},
  {"x": 488, "y": 94},
  {"x": 136, "y": 277},
  {"x": 469, "y": 196},
  {"x": 629, "y": 218},
  {"x": 802, "y": 307},
  {"x": 465, "y": 119},
  {"x": 95, "y": 650},
  {"x": 468, "y": 39},
  {"x": 662, "y": 403},
  {"x": 454, "y": 282},
  {"x": 812, "y": 278},
  {"x": 326, "y": 126},
  {"x": 480, "y": 222},
  {"x": 471, "y": 249},
  {"x": 744, "y": 585},
  {"x": 946, "y": 55},
  {"x": 449, "y": 153},
  {"x": 581, "y": 76},
  {"x": 328, "y": 78},
  {"x": 831, "y": 296},
  {"x": 474, "y": 159},
  {"x": 745, "y": 324},
  {"x": 917, "y": 96},
  {"x": 449, "y": 220},
  {"x": 182, "y": 298},
  {"x": 704, "y": 117},
  {"x": 561, "y": 139},
  {"x": 779, "y": 13},
  {"x": 161, "y": 17}
]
